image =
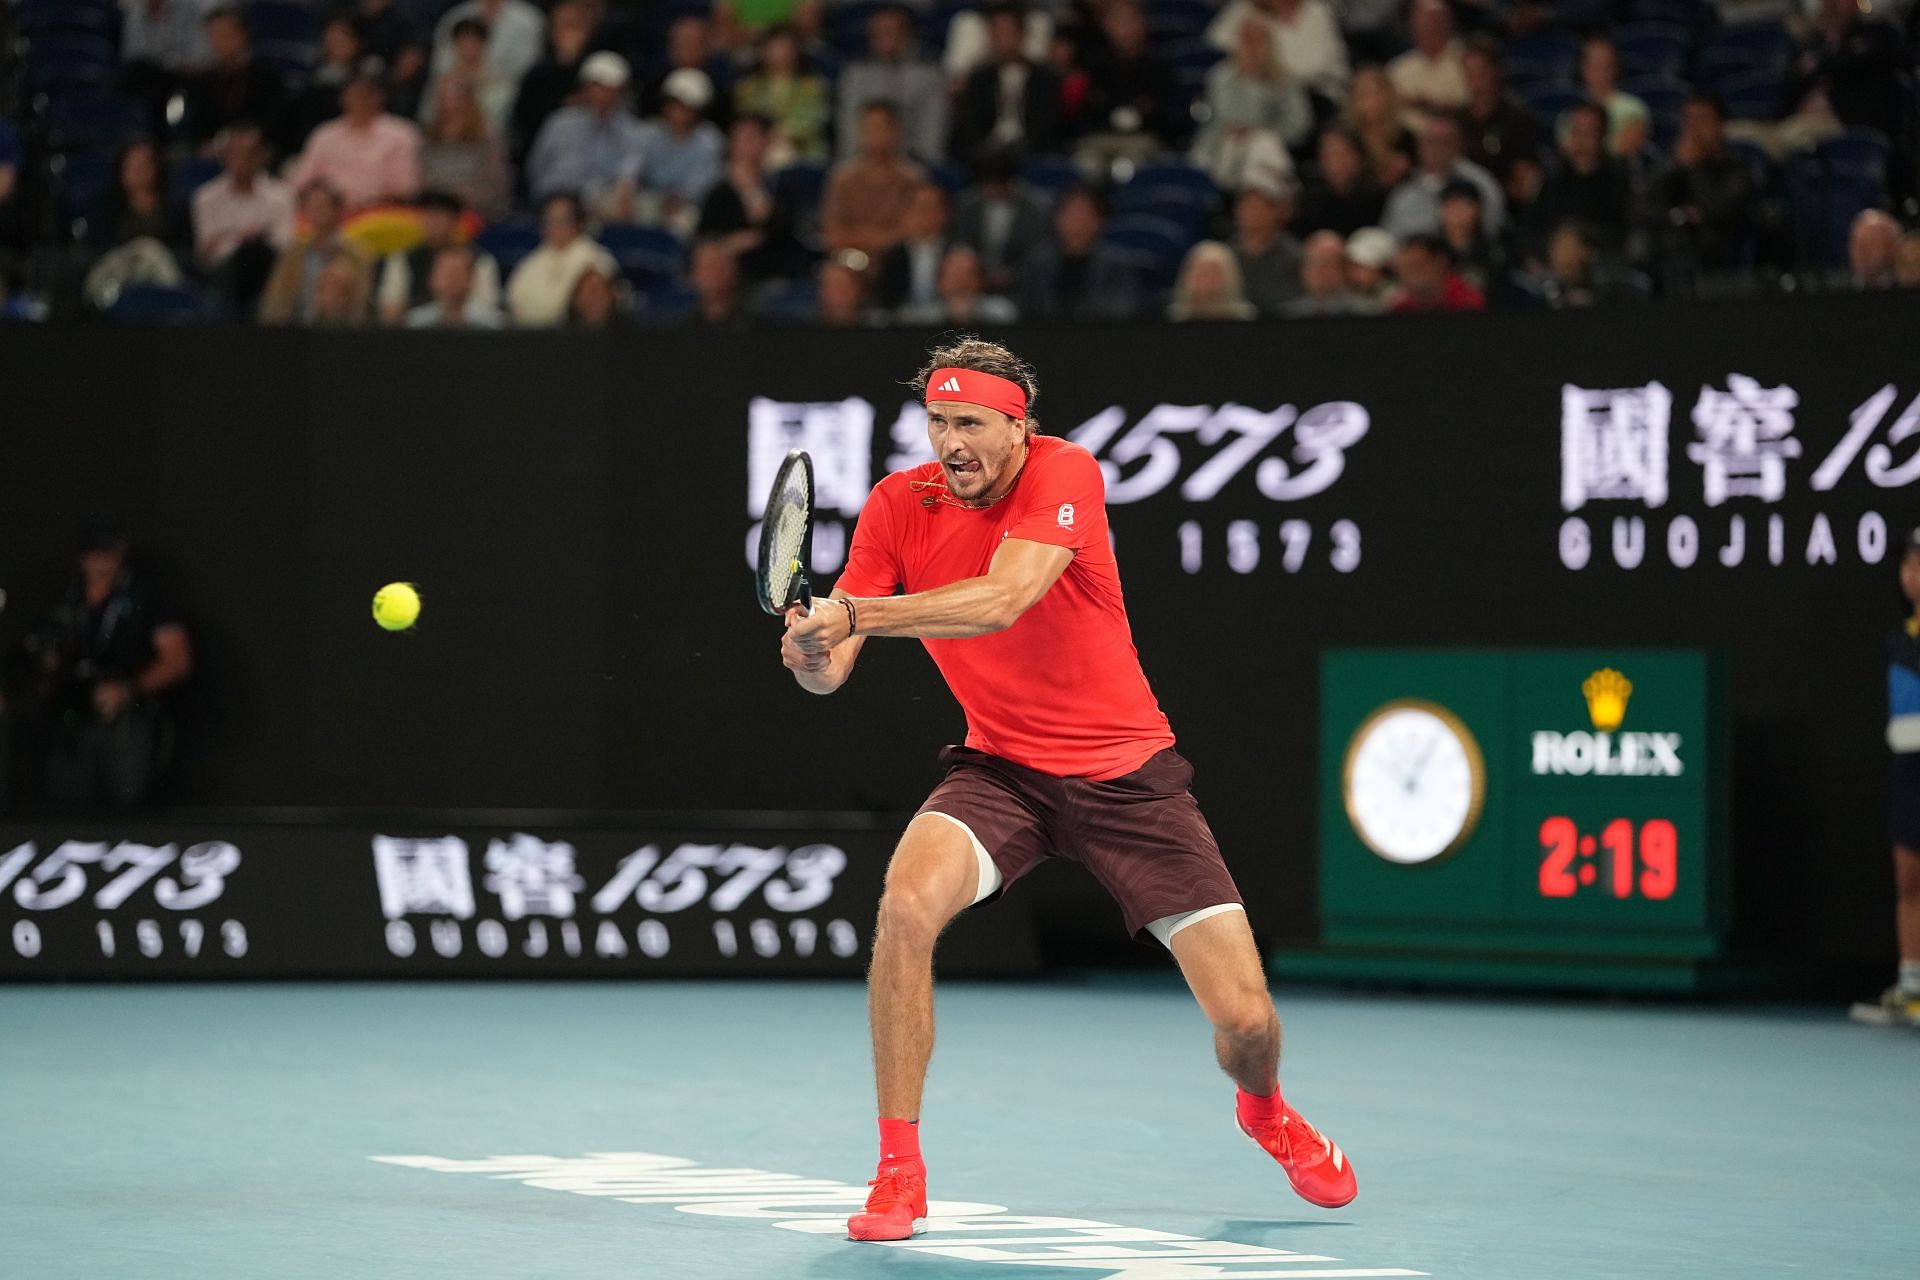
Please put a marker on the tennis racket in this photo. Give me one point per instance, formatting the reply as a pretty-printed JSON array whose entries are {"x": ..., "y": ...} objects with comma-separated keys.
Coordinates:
[{"x": 786, "y": 538}]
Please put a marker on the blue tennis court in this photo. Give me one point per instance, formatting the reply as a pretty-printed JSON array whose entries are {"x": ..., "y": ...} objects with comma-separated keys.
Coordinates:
[{"x": 1075, "y": 1127}]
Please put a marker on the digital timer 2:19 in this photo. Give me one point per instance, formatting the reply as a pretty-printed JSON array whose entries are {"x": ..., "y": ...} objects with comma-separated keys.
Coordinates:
[{"x": 1643, "y": 863}]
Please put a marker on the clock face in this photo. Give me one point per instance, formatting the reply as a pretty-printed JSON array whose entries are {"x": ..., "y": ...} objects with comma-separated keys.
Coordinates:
[{"x": 1413, "y": 782}]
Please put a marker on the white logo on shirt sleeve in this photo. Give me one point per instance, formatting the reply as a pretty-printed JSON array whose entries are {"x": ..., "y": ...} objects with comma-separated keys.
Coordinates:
[{"x": 1066, "y": 515}]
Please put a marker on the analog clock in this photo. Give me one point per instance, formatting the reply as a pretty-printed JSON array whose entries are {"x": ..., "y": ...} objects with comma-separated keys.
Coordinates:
[{"x": 1413, "y": 782}]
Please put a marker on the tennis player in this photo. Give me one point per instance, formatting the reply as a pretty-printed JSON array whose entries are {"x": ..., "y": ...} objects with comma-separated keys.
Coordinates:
[{"x": 996, "y": 557}]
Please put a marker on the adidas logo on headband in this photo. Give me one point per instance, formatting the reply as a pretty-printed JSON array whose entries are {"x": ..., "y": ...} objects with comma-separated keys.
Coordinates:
[{"x": 951, "y": 384}]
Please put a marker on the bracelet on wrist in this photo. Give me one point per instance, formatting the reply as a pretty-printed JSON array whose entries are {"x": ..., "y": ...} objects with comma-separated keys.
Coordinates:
[{"x": 853, "y": 616}]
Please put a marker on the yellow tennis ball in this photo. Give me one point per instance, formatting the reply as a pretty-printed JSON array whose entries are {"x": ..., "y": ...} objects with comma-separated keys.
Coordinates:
[{"x": 396, "y": 606}]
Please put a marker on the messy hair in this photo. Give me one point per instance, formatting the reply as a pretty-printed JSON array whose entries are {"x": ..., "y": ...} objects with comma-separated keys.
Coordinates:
[{"x": 977, "y": 354}]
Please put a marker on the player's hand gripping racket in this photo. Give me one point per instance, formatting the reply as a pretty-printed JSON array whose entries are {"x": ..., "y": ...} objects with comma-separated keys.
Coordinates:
[{"x": 786, "y": 538}]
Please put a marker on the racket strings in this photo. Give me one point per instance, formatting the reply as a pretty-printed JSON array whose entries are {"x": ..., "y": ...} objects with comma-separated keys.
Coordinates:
[{"x": 789, "y": 536}]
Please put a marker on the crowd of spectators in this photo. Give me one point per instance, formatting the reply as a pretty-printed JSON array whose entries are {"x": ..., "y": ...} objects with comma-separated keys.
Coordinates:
[{"x": 497, "y": 163}]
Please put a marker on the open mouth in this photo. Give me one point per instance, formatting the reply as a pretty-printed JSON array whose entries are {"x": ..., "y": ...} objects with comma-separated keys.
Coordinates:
[{"x": 959, "y": 469}]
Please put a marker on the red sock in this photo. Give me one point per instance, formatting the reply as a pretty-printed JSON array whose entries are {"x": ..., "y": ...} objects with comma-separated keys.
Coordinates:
[
  {"x": 899, "y": 1141},
  {"x": 1255, "y": 1110}
]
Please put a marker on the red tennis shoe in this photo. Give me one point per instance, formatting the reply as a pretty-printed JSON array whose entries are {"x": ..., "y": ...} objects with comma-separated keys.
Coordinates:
[
  {"x": 897, "y": 1205},
  {"x": 1318, "y": 1170}
]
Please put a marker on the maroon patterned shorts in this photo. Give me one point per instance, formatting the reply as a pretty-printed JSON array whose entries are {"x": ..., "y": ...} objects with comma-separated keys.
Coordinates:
[{"x": 1141, "y": 834}]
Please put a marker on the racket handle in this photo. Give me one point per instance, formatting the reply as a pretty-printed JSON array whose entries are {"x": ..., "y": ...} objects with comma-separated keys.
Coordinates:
[{"x": 805, "y": 598}]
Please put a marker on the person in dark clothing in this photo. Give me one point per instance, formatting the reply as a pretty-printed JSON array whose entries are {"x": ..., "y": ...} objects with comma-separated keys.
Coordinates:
[
  {"x": 1000, "y": 219},
  {"x": 1007, "y": 101},
  {"x": 138, "y": 204},
  {"x": 319, "y": 99},
  {"x": 1696, "y": 207},
  {"x": 1585, "y": 184},
  {"x": 1341, "y": 195},
  {"x": 745, "y": 213},
  {"x": 1853, "y": 65},
  {"x": 104, "y": 660},
  {"x": 1133, "y": 101},
  {"x": 1501, "y": 135},
  {"x": 1077, "y": 277},
  {"x": 389, "y": 34},
  {"x": 237, "y": 86},
  {"x": 551, "y": 83}
]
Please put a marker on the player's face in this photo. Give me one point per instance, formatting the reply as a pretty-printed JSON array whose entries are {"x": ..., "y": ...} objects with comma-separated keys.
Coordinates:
[{"x": 980, "y": 449}]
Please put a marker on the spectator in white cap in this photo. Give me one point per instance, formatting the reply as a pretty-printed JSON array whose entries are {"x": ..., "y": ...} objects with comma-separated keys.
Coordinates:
[
  {"x": 1323, "y": 281},
  {"x": 1369, "y": 254},
  {"x": 684, "y": 153},
  {"x": 596, "y": 147}
]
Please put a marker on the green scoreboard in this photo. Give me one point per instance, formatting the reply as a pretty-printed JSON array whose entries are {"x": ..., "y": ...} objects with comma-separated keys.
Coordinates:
[{"x": 1526, "y": 817}]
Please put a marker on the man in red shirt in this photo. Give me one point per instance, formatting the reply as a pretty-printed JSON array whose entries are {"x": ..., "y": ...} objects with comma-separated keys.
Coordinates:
[
  {"x": 996, "y": 557},
  {"x": 1428, "y": 281}
]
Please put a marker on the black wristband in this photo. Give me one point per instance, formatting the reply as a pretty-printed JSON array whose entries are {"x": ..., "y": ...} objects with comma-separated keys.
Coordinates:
[{"x": 853, "y": 617}]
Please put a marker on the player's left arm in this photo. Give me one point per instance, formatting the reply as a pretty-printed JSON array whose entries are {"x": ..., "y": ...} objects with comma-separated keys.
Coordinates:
[{"x": 1021, "y": 572}]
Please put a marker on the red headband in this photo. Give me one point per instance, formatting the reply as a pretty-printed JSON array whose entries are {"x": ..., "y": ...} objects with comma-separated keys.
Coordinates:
[{"x": 974, "y": 387}]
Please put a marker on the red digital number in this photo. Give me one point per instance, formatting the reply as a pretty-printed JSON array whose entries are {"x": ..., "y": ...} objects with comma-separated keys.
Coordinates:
[
  {"x": 1558, "y": 839},
  {"x": 1660, "y": 858},
  {"x": 1617, "y": 840}
]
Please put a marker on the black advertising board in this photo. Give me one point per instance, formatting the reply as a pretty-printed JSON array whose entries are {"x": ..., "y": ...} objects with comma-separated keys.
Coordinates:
[
  {"x": 1733, "y": 478},
  {"x": 142, "y": 898}
]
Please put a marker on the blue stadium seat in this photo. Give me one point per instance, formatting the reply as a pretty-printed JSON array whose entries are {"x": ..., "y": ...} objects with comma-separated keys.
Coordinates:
[
  {"x": 99, "y": 18},
  {"x": 1190, "y": 207},
  {"x": 1753, "y": 95},
  {"x": 1175, "y": 173},
  {"x": 800, "y": 184},
  {"x": 1829, "y": 187},
  {"x": 1664, "y": 96},
  {"x": 790, "y": 302},
  {"x": 647, "y": 255},
  {"x": 1687, "y": 14},
  {"x": 190, "y": 175},
  {"x": 1763, "y": 44},
  {"x": 161, "y": 304},
  {"x": 63, "y": 60},
  {"x": 665, "y": 304},
  {"x": 1559, "y": 50},
  {"x": 846, "y": 26},
  {"x": 1652, "y": 48},
  {"x": 1051, "y": 175},
  {"x": 283, "y": 20},
  {"x": 508, "y": 242},
  {"x": 1549, "y": 100},
  {"x": 292, "y": 58},
  {"x": 1153, "y": 244},
  {"x": 949, "y": 177},
  {"x": 83, "y": 177},
  {"x": 79, "y": 121},
  {"x": 1191, "y": 59}
]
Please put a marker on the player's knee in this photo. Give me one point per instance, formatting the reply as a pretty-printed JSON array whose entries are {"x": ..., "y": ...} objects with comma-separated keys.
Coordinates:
[
  {"x": 913, "y": 908},
  {"x": 1247, "y": 1016}
]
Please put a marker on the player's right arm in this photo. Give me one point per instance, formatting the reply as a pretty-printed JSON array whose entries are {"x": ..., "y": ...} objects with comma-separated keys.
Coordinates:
[
  {"x": 825, "y": 672},
  {"x": 873, "y": 569}
]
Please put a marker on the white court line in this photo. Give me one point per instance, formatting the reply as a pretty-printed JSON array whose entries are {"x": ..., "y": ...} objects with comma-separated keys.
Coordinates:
[{"x": 961, "y": 1230}]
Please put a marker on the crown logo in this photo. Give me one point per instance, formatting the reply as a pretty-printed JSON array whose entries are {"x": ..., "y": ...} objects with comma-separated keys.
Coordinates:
[{"x": 1607, "y": 692}]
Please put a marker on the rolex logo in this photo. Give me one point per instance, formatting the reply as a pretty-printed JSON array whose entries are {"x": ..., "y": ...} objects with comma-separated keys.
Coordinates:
[{"x": 1607, "y": 692}]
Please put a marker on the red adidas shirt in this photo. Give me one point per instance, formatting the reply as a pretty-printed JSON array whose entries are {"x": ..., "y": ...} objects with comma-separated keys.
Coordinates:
[{"x": 1061, "y": 690}]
